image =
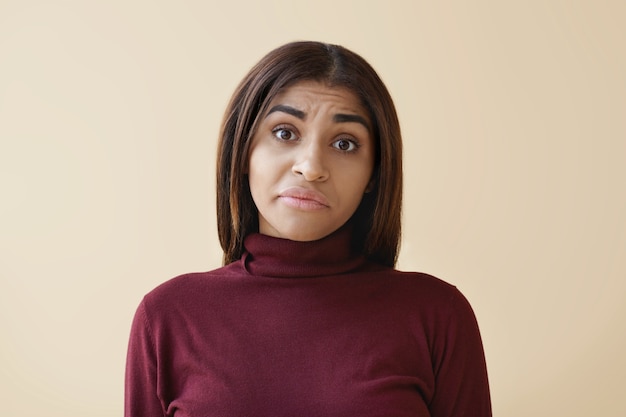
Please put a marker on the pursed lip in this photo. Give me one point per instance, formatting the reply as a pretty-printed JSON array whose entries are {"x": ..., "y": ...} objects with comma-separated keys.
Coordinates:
[{"x": 304, "y": 197}]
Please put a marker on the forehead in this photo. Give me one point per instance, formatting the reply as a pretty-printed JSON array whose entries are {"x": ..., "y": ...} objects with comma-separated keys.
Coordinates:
[{"x": 306, "y": 95}]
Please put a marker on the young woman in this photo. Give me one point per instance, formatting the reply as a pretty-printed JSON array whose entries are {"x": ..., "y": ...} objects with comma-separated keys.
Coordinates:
[{"x": 307, "y": 317}]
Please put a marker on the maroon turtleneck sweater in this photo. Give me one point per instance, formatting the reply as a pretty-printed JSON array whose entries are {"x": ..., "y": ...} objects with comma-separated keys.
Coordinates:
[{"x": 305, "y": 329}]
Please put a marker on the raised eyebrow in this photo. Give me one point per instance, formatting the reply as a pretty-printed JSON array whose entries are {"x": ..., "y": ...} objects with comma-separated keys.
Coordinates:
[
  {"x": 289, "y": 110},
  {"x": 351, "y": 118},
  {"x": 337, "y": 118}
]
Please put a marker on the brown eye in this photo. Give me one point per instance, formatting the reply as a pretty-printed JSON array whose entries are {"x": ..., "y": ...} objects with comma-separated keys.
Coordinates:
[
  {"x": 284, "y": 134},
  {"x": 345, "y": 145}
]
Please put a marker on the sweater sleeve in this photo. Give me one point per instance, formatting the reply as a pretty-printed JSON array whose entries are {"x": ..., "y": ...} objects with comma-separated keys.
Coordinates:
[
  {"x": 141, "y": 399},
  {"x": 461, "y": 384}
]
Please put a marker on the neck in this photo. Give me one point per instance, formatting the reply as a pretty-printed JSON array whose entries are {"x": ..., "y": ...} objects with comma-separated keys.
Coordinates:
[{"x": 276, "y": 257}]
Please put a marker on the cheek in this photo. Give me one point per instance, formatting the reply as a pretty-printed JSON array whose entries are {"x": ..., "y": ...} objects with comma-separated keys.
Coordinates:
[
  {"x": 255, "y": 180},
  {"x": 262, "y": 170},
  {"x": 358, "y": 174},
  {"x": 266, "y": 158},
  {"x": 352, "y": 184},
  {"x": 255, "y": 165}
]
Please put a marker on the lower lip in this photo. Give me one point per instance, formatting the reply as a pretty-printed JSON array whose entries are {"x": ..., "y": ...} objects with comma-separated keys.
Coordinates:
[{"x": 302, "y": 204}]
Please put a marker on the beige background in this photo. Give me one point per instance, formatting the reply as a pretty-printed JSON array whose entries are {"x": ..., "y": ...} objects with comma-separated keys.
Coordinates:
[{"x": 514, "y": 124}]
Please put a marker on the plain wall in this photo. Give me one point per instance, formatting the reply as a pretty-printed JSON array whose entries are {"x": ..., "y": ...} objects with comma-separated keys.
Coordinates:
[{"x": 513, "y": 114}]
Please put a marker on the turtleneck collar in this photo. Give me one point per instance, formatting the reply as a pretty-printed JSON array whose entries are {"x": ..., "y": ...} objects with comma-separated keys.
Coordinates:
[{"x": 275, "y": 257}]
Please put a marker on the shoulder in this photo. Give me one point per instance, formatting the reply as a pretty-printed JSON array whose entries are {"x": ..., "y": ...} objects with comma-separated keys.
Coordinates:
[
  {"x": 417, "y": 284},
  {"x": 444, "y": 308},
  {"x": 188, "y": 289},
  {"x": 426, "y": 292},
  {"x": 444, "y": 292},
  {"x": 441, "y": 310},
  {"x": 436, "y": 288}
]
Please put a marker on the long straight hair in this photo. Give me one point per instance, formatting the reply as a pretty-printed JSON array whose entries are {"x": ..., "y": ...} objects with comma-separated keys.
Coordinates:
[{"x": 377, "y": 220}]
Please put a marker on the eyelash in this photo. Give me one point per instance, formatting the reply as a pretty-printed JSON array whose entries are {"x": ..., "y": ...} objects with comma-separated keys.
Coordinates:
[
  {"x": 281, "y": 128},
  {"x": 352, "y": 142},
  {"x": 355, "y": 143}
]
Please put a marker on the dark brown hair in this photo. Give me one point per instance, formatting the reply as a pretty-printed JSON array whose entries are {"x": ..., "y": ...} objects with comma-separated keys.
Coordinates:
[{"x": 377, "y": 219}]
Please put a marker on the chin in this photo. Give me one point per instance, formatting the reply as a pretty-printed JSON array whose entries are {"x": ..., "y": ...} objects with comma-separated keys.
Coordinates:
[{"x": 300, "y": 235}]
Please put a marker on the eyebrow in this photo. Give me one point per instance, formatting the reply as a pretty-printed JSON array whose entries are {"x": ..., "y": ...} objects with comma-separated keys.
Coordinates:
[
  {"x": 351, "y": 118},
  {"x": 337, "y": 118},
  {"x": 289, "y": 110}
]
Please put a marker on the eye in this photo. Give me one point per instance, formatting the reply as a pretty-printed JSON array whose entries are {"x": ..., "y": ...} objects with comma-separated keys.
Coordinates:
[
  {"x": 345, "y": 145},
  {"x": 284, "y": 134}
]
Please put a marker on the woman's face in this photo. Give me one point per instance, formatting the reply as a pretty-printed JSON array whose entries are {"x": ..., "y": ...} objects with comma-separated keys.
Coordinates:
[{"x": 310, "y": 161}]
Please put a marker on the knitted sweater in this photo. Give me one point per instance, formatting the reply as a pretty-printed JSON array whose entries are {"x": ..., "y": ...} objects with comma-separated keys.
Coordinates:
[{"x": 305, "y": 329}]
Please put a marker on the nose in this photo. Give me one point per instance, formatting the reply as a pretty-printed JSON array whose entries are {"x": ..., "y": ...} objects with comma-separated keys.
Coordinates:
[{"x": 310, "y": 164}]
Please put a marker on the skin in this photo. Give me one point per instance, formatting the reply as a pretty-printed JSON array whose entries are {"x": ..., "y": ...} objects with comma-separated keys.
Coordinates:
[{"x": 310, "y": 161}]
